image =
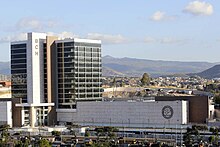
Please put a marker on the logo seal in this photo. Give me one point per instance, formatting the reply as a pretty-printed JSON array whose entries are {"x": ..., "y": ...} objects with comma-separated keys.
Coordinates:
[{"x": 167, "y": 112}]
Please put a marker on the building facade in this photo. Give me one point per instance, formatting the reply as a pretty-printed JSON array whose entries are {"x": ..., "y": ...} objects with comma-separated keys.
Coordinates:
[
  {"x": 128, "y": 113},
  {"x": 49, "y": 75},
  {"x": 6, "y": 111},
  {"x": 200, "y": 108},
  {"x": 144, "y": 112},
  {"x": 79, "y": 71}
]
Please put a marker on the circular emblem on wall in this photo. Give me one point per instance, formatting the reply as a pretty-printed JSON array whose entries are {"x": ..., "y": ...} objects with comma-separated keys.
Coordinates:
[{"x": 167, "y": 112}]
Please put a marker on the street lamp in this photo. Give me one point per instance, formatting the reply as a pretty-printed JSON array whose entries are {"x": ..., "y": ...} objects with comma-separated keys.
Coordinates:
[{"x": 129, "y": 122}]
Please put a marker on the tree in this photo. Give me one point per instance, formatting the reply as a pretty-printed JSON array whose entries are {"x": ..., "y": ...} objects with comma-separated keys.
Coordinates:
[
  {"x": 215, "y": 135},
  {"x": 23, "y": 142},
  {"x": 193, "y": 134},
  {"x": 108, "y": 133},
  {"x": 187, "y": 137},
  {"x": 214, "y": 88},
  {"x": 211, "y": 139},
  {"x": 87, "y": 133},
  {"x": 122, "y": 83},
  {"x": 44, "y": 143},
  {"x": 145, "y": 80},
  {"x": 99, "y": 133},
  {"x": 4, "y": 132},
  {"x": 217, "y": 98},
  {"x": 196, "y": 133},
  {"x": 71, "y": 128},
  {"x": 56, "y": 133}
]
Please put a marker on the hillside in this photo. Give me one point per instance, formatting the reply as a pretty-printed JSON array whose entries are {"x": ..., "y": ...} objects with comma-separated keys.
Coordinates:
[
  {"x": 136, "y": 67},
  {"x": 110, "y": 72},
  {"x": 213, "y": 72},
  {"x": 5, "y": 68}
]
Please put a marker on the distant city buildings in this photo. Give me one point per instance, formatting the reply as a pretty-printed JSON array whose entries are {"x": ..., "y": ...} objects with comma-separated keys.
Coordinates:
[{"x": 5, "y": 77}]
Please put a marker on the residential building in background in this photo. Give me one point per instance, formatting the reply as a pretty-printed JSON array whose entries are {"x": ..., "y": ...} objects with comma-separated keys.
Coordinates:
[{"x": 51, "y": 75}]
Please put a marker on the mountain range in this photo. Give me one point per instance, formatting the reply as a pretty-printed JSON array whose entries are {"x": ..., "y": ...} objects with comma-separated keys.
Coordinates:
[
  {"x": 133, "y": 67},
  {"x": 5, "y": 68},
  {"x": 211, "y": 73},
  {"x": 136, "y": 67}
]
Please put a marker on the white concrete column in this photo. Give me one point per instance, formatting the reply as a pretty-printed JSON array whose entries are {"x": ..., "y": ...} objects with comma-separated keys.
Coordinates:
[
  {"x": 32, "y": 116},
  {"x": 22, "y": 116},
  {"x": 9, "y": 113}
]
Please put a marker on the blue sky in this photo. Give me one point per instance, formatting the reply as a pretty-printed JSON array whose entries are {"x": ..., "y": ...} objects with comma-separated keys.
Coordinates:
[{"x": 186, "y": 30}]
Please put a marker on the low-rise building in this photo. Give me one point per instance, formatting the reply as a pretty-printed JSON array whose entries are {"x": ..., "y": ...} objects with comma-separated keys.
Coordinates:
[
  {"x": 6, "y": 111},
  {"x": 145, "y": 112},
  {"x": 129, "y": 113}
]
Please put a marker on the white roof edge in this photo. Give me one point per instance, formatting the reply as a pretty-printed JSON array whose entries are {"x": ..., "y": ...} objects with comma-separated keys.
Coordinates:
[
  {"x": 65, "y": 110},
  {"x": 63, "y": 40},
  {"x": 19, "y": 42},
  {"x": 79, "y": 40},
  {"x": 33, "y": 105},
  {"x": 87, "y": 40}
]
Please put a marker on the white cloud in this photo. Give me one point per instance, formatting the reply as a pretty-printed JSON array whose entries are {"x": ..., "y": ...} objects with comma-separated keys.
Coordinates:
[
  {"x": 29, "y": 23},
  {"x": 62, "y": 35},
  {"x": 23, "y": 36},
  {"x": 168, "y": 40},
  {"x": 161, "y": 16},
  {"x": 165, "y": 40},
  {"x": 199, "y": 8},
  {"x": 105, "y": 38},
  {"x": 149, "y": 40},
  {"x": 108, "y": 39},
  {"x": 34, "y": 24},
  {"x": 16, "y": 37}
]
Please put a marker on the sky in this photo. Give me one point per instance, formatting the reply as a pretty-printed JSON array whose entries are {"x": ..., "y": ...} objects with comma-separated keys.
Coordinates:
[{"x": 183, "y": 30}]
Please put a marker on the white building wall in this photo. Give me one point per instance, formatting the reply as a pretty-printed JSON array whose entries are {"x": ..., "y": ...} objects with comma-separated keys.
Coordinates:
[
  {"x": 9, "y": 113},
  {"x": 211, "y": 111},
  {"x": 35, "y": 77},
  {"x": 128, "y": 113},
  {"x": 185, "y": 112},
  {"x": 22, "y": 118},
  {"x": 6, "y": 113}
]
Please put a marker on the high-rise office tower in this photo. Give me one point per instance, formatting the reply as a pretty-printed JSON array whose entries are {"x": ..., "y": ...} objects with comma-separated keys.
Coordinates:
[
  {"x": 51, "y": 75},
  {"x": 79, "y": 71}
]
